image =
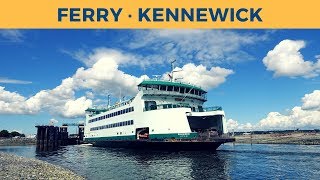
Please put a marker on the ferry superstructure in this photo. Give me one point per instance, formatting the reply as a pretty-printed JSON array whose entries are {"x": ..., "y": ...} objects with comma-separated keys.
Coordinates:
[{"x": 163, "y": 115}]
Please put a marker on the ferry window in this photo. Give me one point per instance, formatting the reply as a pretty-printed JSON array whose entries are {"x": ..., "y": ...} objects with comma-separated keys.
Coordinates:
[
  {"x": 170, "y": 88},
  {"x": 187, "y": 90},
  {"x": 165, "y": 106},
  {"x": 155, "y": 87},
  {"x": 174, "y": 105},
  {"x": 192, "y": 91},
  {"x": 169, "y": 105},
  {"x": 127, "y": 110},
  {"x": 162, "y": 88},
  {"x": 132, "y": 108},
  {"x": 182, "y": 90},
  {"x": 131, "y": 121}
]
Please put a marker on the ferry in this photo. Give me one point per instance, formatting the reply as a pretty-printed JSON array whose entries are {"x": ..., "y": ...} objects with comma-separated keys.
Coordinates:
[{"x": 163, "y": 115}]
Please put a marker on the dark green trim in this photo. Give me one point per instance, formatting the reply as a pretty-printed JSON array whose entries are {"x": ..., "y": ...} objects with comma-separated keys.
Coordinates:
[
  {"x": 129, "y": 137},
  {"x": 152, "y": 136},
  {"x": 174, "y": 135}
]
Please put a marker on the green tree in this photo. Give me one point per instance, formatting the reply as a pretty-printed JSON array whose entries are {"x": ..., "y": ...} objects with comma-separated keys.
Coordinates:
[
  {"x": 15, "y": 133},
  {"x": 4, "y": 133}
]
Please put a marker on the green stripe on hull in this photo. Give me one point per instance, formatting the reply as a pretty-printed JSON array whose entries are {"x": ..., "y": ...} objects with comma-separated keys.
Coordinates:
[
  {"x": 111, "y": 138},
  {"x": 152, "y": 136},
  {"x": 174, "y": 135}
]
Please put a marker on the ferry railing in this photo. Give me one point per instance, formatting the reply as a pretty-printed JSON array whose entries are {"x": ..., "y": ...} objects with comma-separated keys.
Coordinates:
[
  {"x": 185, "y": 105},
  {"x": 173, "y": 93},
  {"x": 96, "y": 110},
  {"x": 213, "y": 108}
]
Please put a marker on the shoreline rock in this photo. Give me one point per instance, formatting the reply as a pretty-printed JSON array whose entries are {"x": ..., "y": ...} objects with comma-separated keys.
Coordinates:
[
  {"x": 16, "y": 167},
  {"x": 290, "y": 138},
  {"x": 17, "y": 141}
]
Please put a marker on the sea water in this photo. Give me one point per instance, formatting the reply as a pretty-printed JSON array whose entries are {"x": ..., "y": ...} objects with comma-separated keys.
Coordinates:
[{"x": 230, "y": 161}]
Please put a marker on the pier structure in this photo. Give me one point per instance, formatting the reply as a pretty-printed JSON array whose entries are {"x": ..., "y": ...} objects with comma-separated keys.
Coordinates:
[{"x": 49, "y": 138}]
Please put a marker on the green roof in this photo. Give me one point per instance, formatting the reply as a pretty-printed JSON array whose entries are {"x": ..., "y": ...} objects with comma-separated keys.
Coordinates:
[{"x": 169, "y": 83}]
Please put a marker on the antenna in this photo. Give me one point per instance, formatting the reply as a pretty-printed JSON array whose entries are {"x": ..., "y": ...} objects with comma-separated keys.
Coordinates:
[
  {"x": 120, "y": 96},
  {"x": 109, "y": 103},
  {"x": 172, "y": 67}
]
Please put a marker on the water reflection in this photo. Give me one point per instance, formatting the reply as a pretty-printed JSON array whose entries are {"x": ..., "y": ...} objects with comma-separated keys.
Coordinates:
[{"x": 229, "y": 162}]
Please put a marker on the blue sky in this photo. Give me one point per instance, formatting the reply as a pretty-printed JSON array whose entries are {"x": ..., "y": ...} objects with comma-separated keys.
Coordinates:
[{"x": 263, "y": 79}]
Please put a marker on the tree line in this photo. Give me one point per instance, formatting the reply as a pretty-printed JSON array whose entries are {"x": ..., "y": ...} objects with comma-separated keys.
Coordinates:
[{"x": 7, "y": 134}]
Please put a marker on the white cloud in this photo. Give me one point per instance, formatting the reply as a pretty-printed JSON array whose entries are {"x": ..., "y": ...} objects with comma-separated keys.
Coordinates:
[
  {"x": 105, "y": 78},
  {"x": 311, "y": 101},
  {"x": 13, "y": 81},
  {"x": 305, "y": 117},
  {"x": 208, "y": 47},
  {"x": 89, "y": 58},
  {"x": 12, "y": 35},
  {"x": 76, "y": 108},
  {"x": 200, "y": 76},
  {"x": 286, "y": 60},
  {"x": 233, "y": 125},
  {"x": 12, "y": 103},
  {"x": 297, "y": 118}
]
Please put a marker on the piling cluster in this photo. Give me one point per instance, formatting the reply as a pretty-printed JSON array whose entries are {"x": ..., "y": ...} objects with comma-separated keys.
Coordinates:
[{"x": 49, "y": 138}]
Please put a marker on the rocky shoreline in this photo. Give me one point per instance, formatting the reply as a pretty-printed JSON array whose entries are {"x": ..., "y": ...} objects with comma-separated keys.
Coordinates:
[
  {"x": 16, "y": 167},
  {"x": 17, "y": 141},
  {"x": 289, "y": 138}
]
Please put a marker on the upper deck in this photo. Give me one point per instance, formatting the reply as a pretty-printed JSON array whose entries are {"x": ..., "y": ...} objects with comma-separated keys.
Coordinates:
[{"x": 169, "y": 88}]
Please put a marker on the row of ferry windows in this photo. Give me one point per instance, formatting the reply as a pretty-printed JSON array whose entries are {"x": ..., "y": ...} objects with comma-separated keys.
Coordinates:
[
  {"x": 124, "y": 123},
  {"x": 117, "y": 113},
  {"x": 173, "y": 88}
]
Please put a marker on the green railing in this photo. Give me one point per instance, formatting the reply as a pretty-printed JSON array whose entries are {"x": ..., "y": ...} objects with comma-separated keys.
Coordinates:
[{"x": 185, "y": 105}]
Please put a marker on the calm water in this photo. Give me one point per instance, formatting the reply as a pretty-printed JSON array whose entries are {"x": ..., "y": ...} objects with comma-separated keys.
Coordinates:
[{"x": 240, "y": 161}]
